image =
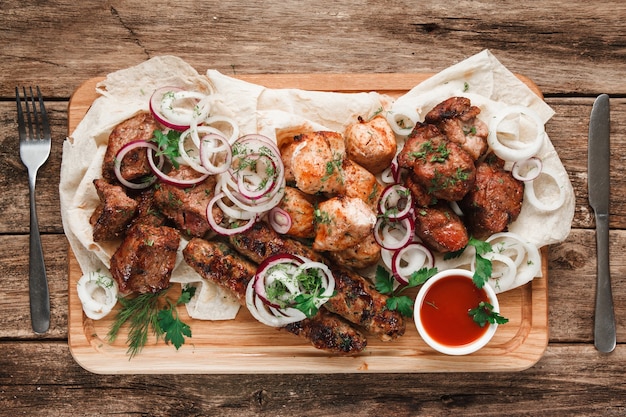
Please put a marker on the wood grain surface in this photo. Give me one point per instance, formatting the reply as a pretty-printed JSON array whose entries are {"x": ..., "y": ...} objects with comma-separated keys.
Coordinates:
[{"x": 574, "y": 50}]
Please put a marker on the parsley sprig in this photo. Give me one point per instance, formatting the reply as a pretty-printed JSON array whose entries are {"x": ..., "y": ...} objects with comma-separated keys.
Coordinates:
[
  {"x": 484, "y": 267},
  {"x": 484, "y": 314},
  {"x": 385, "y": 284},
  {"x": 143, "y": 313},
  {"x": 168, "y": 145}
]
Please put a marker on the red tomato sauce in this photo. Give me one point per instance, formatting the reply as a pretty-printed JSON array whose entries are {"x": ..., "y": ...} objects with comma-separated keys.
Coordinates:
[{"x": 445, "y": 308}]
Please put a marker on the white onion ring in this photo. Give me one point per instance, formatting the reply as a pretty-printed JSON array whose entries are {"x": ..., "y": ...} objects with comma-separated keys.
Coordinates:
[
  {"x": 402, "y": 119},
  {"x": 122, "y": 153},
  {"x": 531, "y": 198},
  {"x": 394, "y": 235},
  {"x": 395, "y": 202},
  {"x": 527, "y": 170},
  {"x": 524, "y": 150},
  {"x": 209, "y": 152},
  {"x": 226, "y": 231},
  {"x": 525, "y": 256},
  {"x": 97, "y": 292},
  {"x": 506, "y": 278}
]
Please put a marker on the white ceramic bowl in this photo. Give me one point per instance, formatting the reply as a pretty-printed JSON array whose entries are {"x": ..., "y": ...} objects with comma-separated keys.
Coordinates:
[{"x": 463, "y": 349}]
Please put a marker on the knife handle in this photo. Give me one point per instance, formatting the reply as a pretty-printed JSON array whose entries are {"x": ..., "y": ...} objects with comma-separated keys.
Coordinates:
[{"x": 604, "y": 325}]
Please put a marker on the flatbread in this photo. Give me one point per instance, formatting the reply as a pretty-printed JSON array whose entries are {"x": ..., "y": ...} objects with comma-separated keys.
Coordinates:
[{"x": 272, "y": 112}]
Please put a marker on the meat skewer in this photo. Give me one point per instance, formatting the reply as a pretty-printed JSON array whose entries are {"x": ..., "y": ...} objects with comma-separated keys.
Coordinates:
[
  {"x": 218, "y": 263},
  {"x": 356, "y": 299}
]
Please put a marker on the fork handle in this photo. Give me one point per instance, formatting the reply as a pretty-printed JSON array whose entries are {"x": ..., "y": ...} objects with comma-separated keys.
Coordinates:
[{"x": 37, "y": 278}]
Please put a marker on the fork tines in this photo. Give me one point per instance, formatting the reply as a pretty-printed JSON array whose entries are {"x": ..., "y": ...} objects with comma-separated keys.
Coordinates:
[{"x": 34, "y": 117}]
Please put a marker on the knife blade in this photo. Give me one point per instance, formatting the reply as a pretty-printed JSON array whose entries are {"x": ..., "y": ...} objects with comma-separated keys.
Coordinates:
[{"x": 599, "y": 195}]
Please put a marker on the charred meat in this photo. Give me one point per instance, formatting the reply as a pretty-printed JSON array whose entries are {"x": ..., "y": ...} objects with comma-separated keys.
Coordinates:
[
  {"x": 457, "y": 119},
  {"x": 440, "y": 228},
  {"x": 135, "y": 164},
  {"x": 445, "y": 170},
  {"x": 495, "y": 200},
  {"x": 114, "y": 213},
  {"x": 144, "y": 261},
  {"x": 186, "y": 207}
]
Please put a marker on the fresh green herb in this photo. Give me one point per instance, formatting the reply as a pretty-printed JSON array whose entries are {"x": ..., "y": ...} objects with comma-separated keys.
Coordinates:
[
  {"x": 484, "y": 267},
  {"x": 168, "y": 145},
  {"x": 402, "y": 303},
  {"x": 484, "y": 314},
  {"x": 465, "y": 87},
  {"x": 144, "y": 315}
]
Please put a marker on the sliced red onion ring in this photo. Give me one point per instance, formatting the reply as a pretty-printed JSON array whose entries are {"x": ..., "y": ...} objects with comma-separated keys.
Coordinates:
[
  {"x": 130, "y": 147},
  {"x": 279, "y": 220},
  {"x": 527, "y": 170},
  {"x": 216, "y": 158},
  {"x": 394, "y": 235},
  {"x": 176, "y": 108},
  {"x": 395, "y": 202},
  {"x": 226, "y": 231}
]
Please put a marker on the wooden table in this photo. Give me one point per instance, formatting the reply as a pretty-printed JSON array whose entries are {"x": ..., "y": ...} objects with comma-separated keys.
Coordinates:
[{"x": 573, "y": 50}]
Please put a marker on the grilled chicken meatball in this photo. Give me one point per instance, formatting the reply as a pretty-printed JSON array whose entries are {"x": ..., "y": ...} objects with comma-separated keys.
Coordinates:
[
  {"x": 342, "y": 222},
  {"x": 440, "y": 228},
  {"x": 371, "y": 144},
  {"x": 114, "y": 213},
  {"x": 445, "y": 170},
  {"x": 360, "y": 183},
  {"x": 300, "y": 208},
  {"x": 144, "y": 261},
  {"x": 495, "y": 201},
  {"x": 363, "y": 254},
  {"x": 458, "y": 120},
  {"x": 135, "y": 164},
  {"x": 218, "y": 263},
  {"x": 315, "y": 162}
]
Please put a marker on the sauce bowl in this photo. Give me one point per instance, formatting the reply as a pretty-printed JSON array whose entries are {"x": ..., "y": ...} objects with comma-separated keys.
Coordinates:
[{"x": 442, "y": 316}]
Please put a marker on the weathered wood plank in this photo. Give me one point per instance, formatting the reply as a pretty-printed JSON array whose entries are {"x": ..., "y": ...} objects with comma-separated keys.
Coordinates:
[
  {"x": 324, "y": 36},
  {"x": 557, "y": 385}
]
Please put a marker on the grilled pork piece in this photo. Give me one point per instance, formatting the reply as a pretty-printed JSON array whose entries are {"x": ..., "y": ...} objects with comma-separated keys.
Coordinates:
[
  {"x": 114, "y": 213},
  {"x": 440, "y": 228},
  {"x": 218, "y": 263},
  {"x": 135, "y": 165},
  {"x": 144, "y": 261},
  {"x": 495, "y": 201},
  {"x": 457, "y": 119},
  {"x": 360, "y": 183},
  {"x": 356, "y": 299},
  {"x": 301, "y": 210},
  {"x": 442, "y": 167},
  {"x": 186, "y": 207},
  {"x": 363, "y": 254}
]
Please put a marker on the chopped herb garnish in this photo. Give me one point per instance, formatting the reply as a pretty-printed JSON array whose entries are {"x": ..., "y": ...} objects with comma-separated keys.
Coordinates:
[{"x": 484, "y": 314}]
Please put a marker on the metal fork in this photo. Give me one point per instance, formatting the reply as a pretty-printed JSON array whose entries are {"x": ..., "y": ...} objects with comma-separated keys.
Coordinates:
[{"x": 35, "y": 142}]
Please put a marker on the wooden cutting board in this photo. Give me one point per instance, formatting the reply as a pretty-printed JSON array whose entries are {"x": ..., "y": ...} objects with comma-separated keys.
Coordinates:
[{"x": 244, "y": 345}]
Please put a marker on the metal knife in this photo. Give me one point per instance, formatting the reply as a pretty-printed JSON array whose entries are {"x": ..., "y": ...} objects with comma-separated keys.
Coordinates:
[{"x": 599, "y": 192}]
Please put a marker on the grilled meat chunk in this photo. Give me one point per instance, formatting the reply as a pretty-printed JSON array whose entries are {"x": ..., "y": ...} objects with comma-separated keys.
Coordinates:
[
  {"x": 494, "y": 201},
  {"x": 186, "y": 207},
  {"x": 114, "y": 213},
  {"x": 218, "y": 263},
  {"x": 458, "y": 120},
  {"x": 147, "y": 212},
  {"x": 440, "y": 228},
  {"x": 301, "y": 209},
  {"x": 144, "y": 261},
  {"x": 358, "y": 182},
  {"x": 371, "y": 144},
  {"x": 356, "y": 300},
  {"x": 363, "y": 254},
  {"x": 342, "y": 222},
  {"x": 315, "y": 163},
  {"x": 445, "y": 170},
  {"x": 135, "y": 163}
]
